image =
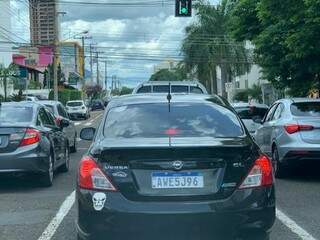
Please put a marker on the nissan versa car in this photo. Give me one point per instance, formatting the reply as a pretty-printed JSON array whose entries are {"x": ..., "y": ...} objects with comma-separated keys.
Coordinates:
[
  {"x": 30, "y": 142},
  {"x": 173, "y": 165},
  {"x": 290, "y": 133}
]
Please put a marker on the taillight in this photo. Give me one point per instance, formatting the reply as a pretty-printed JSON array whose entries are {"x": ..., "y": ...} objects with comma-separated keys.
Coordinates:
[
  {"x": 31, "y": 136},
  {"x": 260, "y": 175},
  {"x": 92, "y": 177},
  {"x": 293, "y": 128}
]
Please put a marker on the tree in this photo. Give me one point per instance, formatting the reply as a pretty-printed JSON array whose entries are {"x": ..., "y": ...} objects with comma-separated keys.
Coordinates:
[
  {"x": 93, "y": 91},
  {"x": 208, "y": 45},
  {"x": 6, "y": 74},
  {"x": 286, "y": 35},
  {"x": 165, "y": 75}
]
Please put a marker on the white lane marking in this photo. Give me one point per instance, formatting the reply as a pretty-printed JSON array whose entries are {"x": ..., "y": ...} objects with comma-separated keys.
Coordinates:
[
  {"x": 77, "y": 123},
  {"x": 293, "y": 226},
  {"x": 96, "y": 117},
  {"x": 87, "y": 124},
  {"x": 56, "y": 221}
]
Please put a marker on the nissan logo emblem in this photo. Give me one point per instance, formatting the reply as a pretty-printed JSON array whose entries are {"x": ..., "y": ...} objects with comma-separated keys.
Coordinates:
[{"x": 177, "y": 165}]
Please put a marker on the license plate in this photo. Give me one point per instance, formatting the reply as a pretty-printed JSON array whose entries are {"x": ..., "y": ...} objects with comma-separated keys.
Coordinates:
[{"x": 168, "y": 180}]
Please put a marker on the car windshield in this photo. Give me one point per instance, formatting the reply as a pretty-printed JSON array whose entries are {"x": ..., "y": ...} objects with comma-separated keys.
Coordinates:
[
  {"x": 74, "y": 104},
  {"x": 306, "y": 109},
  {"x": 183, "y": 120},
  {"x": 15, "y": 114},
  {"x": 248, "y": 113}
]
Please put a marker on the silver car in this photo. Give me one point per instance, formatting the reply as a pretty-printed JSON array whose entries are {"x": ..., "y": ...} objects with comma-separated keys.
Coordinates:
[{"x": 290, "y": 132}]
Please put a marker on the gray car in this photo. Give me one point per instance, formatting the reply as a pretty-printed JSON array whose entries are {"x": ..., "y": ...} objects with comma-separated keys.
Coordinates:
[
  {"x": 31, "y": 142},
  {"x": 60, "y": 114},
  {"x": 290, "y": 133}
]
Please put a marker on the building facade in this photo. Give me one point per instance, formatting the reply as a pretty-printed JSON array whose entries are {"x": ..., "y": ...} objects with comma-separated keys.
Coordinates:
[
  {"x": 5, "y": 38},
  {"x": 43, "y": 21}
]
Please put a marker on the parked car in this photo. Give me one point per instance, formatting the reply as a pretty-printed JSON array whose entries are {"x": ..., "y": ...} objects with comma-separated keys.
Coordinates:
[
  {"x": 78, "y": 109},
  {"x": 31, "y": 142},
  {"x": 250, "y": 113},
  {"x": 97, "y": 105},
  {"x": 187, "y": 162},
  {"x": 176, "y": 87},
  {"x": 62, "y": 119},
  {"x": 290, "y": 133}
]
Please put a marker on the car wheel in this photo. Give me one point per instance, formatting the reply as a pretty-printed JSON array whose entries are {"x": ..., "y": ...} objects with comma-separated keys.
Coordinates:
[
  {"x": 66, "y": 166},
  {"x": 47, "y": 178},
  {"x": 279, "y": 169},
  {"x": 73, "y": 148}
]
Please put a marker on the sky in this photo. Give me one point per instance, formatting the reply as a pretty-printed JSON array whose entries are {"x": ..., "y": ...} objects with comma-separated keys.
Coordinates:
[{"x": 132, "y": 39}]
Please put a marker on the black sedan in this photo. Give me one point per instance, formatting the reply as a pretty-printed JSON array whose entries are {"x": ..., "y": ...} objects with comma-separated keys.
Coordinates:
[
  {"x": 97, "y": 105},
  {"x": 172, "y": 165},
  {"x": 30, "y": 142}
]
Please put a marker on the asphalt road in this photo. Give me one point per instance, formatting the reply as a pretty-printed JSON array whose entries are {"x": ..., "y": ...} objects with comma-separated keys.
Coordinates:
[{"x": 26, "y": 209}]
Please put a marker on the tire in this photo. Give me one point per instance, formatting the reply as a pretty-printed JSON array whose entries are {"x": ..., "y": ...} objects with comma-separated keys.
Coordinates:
[
  {"x": 279, "y": 170},
  {"x": 66, "y": 166},
  {"x": 73, "y": 148},
  {"x": 47, "y": 178}
]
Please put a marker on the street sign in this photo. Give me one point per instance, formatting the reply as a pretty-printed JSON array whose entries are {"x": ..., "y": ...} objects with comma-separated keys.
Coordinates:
[{"x": 183, "y": 8}]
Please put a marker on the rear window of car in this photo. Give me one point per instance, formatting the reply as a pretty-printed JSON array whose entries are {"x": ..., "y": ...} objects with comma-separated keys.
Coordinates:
[
  {"x": 144, "y": 89},
  {"x": 179, "y": 89},
  {"x": 196, "y": 90},
  {"x": 74, "y": 104},
  {"x": 251, "y": 112},
  {"x": 161, "y": 89},
  {"x": 50, "y": 108},
  {"x": 183, "y": 120},
  {"x": 306, "y": 109},
  {"x": 15, "y": 114}
]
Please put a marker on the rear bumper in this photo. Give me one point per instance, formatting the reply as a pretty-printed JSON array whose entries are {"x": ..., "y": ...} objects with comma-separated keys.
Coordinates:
[
  {"x": 24, "y": 160},
  {"x": 246, "y": 209},
  {"x": 296, "y": 154}
]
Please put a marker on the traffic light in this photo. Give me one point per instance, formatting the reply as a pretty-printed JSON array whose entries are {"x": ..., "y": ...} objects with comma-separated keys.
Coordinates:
[{"x": 183, "y": 8}]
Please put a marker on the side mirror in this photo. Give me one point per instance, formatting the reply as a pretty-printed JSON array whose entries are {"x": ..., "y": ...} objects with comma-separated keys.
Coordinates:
[
  {"x": 64, "y": 123},
  {"x": 257, "y": 119},
  {"x": 87, "y": 133}
]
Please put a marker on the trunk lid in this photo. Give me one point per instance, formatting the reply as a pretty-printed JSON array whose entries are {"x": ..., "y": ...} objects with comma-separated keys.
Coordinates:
[
  {"x": 178, "y": 168},
  {"x": 312, "y": 136},
  {"x": 10, "y": 138}
]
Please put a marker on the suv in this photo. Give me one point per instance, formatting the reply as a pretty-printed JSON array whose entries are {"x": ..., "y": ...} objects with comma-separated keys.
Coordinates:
[
  {"x": 176, "y": 87},
  {"x": 78, "y": 109},
  {"x": 62, "y": 118}
]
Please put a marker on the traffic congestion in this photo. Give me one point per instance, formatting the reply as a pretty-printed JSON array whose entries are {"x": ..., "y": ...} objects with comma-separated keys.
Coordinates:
[{"x": 159, "y": 120}]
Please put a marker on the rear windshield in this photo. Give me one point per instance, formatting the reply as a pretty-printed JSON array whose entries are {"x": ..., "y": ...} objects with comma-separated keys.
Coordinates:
[
  {"x": 15, "y": 114},
  {"x": 74, "y": 104},
  {"x": 251, "y": 112},
  {"x": 144, "y": 89},
  {"x": 179, "y": 89},
  {"x": 196, "y": 90},
  {"x": 306, "y": 109},
  {"x": 161, "y": 89},
  {"x": 184, "y": 120}
]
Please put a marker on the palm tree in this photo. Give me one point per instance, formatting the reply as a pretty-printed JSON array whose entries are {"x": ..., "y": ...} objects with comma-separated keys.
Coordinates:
[{"x": 208, "y": 46}]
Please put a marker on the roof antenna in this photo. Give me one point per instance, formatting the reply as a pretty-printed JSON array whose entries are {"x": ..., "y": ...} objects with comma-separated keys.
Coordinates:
[{"x": 169, "y": 97}]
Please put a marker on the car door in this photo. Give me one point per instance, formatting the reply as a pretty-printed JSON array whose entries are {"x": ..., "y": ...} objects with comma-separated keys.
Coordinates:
[
  {"x": 53, "y": 133},
  {"x": 264, "y": 132},
  {"x": 70, "y": 130},
  {"x": 275, "y": 127}
]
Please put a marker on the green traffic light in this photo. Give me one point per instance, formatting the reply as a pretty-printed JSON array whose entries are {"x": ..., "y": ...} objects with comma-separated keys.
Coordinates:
[{"x": 184, "y": 10}]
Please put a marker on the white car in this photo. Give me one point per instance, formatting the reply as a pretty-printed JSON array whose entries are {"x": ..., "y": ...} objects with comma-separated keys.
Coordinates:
[
  {"x": 250, "y": 113},
  {"x": 78, "y": 109}
]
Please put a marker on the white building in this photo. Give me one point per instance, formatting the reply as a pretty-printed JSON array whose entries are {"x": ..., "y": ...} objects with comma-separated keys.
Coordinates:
[{"x": 5, "y": 35}]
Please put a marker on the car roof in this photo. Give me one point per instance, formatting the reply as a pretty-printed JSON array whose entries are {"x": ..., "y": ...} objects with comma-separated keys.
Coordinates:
[
  {"x": 49, "y": 102},
  {"x": 297, "y": 100},
  {"x": 162, "y": 98},
  {"x": 195, "y": 83},
  {"x": 75, "y": 101},
  {"x": 244, "y": 104},
  {"x": 34, "y": 105}
]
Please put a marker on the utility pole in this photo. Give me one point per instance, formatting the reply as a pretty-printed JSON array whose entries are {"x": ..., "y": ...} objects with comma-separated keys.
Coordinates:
[
  {"x": 105, "y": 75},
  {"x": 91, "y": 63},
  {"x": 98, "y": 76},
  {"x": 83, "y": 38}
]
